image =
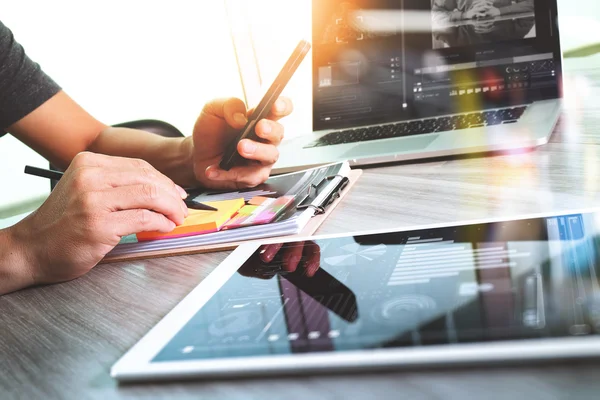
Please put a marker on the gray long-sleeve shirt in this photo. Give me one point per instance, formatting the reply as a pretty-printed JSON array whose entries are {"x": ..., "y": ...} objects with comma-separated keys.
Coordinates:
[{"x": 23, "y": 85}]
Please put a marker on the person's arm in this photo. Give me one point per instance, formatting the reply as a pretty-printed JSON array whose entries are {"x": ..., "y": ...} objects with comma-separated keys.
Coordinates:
[
  {"x": 37, "y": 112},
  {"x": 98, "y": 200},
  {"x": 60, "y": 129},
  {"x": 103, "y": 197},
  {"x": 521, "y": 6}
]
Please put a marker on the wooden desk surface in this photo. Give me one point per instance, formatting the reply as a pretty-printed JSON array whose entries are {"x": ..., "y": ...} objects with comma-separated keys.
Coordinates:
[{"x": 60, "y": 341}]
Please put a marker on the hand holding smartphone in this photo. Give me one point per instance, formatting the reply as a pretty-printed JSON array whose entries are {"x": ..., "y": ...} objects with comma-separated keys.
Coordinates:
[{"x": 231, "y": 157}]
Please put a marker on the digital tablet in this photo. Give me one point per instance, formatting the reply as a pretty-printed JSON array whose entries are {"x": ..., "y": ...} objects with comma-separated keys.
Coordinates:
[{"x": 484, "y": 291}]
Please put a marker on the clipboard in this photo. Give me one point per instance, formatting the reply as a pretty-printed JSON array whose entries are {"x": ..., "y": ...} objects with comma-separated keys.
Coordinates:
[{"x": 323, "y": 203}]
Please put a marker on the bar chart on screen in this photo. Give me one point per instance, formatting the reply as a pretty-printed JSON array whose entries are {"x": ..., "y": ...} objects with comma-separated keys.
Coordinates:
[{"x": 422, "y": 260}]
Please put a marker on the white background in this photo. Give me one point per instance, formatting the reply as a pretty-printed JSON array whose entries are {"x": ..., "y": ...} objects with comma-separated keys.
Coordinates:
[{"x": 121, "y": 60}]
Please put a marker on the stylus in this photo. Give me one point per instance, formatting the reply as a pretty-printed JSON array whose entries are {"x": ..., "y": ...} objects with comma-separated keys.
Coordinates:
[
  {"x": 43, "y": 173},
  {"x": 56, "y": 175}
]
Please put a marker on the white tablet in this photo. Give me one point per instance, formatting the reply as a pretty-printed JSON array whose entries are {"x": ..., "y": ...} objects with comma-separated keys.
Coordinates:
[{"x": 488, "y": 291}]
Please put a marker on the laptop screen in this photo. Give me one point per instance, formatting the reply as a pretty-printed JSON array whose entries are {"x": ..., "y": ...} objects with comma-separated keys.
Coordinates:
[{"x": 379, "y": 61}]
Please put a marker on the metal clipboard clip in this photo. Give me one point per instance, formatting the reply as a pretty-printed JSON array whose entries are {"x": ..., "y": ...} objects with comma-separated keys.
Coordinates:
[{"x": 320, "y": 200}]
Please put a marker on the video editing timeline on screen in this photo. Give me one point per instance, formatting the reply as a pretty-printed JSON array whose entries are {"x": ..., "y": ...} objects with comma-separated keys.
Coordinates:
[
  {"x": 485, "y": 77},
  {"x": 364, "y": 75},
  {"x": 509, "y": 280}
]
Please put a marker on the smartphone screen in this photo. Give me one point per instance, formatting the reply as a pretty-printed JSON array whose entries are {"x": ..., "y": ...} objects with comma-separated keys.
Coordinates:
[{"x": 231, "y": 157}]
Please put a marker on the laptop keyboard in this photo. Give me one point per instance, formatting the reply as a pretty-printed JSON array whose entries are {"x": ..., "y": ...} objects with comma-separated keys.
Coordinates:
[{"x": 409, "y": 128}]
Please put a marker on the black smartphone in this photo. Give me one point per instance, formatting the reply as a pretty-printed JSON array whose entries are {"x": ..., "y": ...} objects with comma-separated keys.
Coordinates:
[{"x": 231, "y": 157}]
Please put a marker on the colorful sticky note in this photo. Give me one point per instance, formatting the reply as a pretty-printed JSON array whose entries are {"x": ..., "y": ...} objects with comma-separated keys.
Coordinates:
[
  {"x": 200, "y": 221},
  {"x": 261, "y": 210},
  {"x": 258, "y": 200}
]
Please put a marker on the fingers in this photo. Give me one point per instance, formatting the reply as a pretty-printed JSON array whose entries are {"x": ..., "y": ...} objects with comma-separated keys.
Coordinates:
[
  {"x": 480, "y": 7},
  {"x": 149, "y": 197},
  {"x": 269, "y": 131},
  {"x": 232, "y": 110},
  {"x": 129, "y": 222},
  {"x": 238, "y": 177},
  {"x": 268, "y": 251},
  {"x": 477, "y": 10},
  {"x": 292, "y": 256},
  {"x": 281, "y": 108},
  {"x": 266, "y": 154},
  {"x": 483, "y": 26},
  {"x": 312, "y": 253}
]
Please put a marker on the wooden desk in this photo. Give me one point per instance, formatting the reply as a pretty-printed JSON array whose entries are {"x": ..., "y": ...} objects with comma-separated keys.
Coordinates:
[{"x": 60, "y": 341}]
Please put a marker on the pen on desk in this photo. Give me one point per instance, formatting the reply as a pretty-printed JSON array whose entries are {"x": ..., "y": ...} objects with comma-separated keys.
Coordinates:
[{"x": 56, "y": 175}]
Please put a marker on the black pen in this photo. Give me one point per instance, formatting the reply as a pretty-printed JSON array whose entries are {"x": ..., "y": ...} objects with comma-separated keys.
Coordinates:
[{"x": 56, "y": 175}]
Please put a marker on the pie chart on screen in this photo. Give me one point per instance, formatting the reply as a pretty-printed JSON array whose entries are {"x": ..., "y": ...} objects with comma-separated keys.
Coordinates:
[{"x": 353, "y": 253}]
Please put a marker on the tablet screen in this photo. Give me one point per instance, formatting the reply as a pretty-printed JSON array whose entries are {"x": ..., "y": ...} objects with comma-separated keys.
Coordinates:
[{"x": 531, "y": 278}]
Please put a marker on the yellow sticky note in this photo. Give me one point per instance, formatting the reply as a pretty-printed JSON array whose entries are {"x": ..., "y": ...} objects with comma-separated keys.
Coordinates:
[{"x": 200, "y": 221}]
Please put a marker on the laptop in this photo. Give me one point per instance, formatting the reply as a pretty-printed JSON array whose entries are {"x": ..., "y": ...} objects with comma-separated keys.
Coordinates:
[
  {"x": 474, "y": 293},
  {"x": 413, "y": 79}
]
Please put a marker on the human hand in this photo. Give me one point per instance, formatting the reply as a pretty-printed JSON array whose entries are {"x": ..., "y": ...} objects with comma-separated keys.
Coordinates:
[
  {"x": 478, "y": 9},
  {"x": 492, "y": 12},
  {"x": 482, "y": 27},
  {"x": 98, "y": 200},
  {"x": 272, "y": 259},
  {"x": 218, "y": 124},
  {"x": 292, "y": 254}
]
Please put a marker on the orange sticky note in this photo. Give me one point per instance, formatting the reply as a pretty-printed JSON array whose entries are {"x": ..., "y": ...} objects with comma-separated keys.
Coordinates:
[{"x": 200, "y": 221}]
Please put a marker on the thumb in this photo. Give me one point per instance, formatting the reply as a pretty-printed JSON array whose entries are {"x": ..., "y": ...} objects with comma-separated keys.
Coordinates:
[{"x": 219, "y": 122}]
